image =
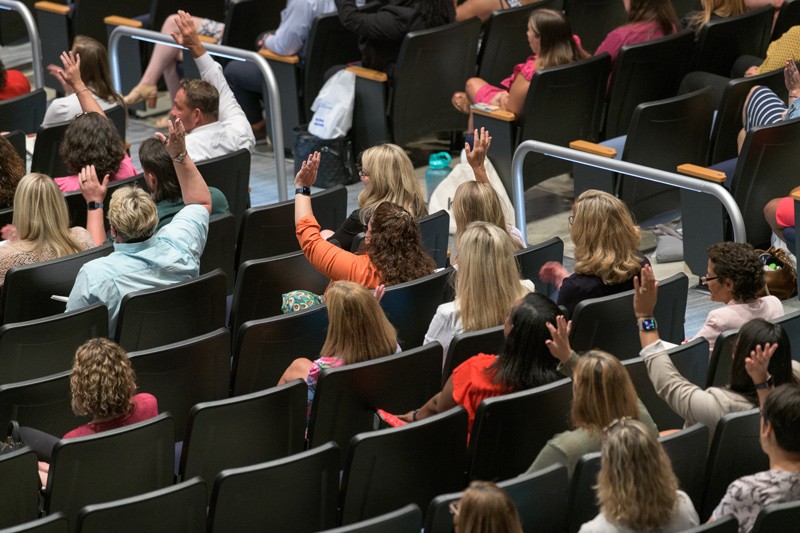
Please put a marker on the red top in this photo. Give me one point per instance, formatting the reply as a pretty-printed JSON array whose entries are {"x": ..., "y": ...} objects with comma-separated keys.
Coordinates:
[
  {"x": 16, "y": 85},
  {"x": 145, "y": 407},
  {"x": 472, "y": 384}
]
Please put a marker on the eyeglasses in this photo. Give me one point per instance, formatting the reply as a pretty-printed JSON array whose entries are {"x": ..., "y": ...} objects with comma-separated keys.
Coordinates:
[
  {"x": 454, "y": 507},
  {"x": 705, "y": 279},
  {"x": 363, "y": 173},
  {"x": 571, "y": 219},
  {"x": 615, "y": 422}
]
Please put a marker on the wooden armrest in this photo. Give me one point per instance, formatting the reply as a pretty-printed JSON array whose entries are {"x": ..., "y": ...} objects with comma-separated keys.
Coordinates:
[
  {"x": 703, "y": 173},
  {"x": 115, "y": 20},
  {"x": 369, "y": 74},
  {"x": 795, "y": 195},
  {"x": 498, "y": 114},
  {"x": 594, "y": 148},
  {"x": 52, "y": 7},
  {"x": 275, "y": 57},
  {"x": 206, "y": 39}
]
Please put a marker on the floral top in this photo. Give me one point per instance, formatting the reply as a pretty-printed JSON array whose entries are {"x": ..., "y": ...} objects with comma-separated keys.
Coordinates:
[
  {"x": 313, "y": 376},
  {"x": 749, "y": 494}
]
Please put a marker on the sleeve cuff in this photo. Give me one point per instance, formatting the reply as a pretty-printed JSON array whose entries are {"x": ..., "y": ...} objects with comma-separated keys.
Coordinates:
[{"x": 653, "y": 349}]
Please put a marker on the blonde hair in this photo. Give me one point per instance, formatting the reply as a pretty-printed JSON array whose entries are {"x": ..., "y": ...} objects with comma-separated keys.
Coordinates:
[
  {"x": 475, "y": 201},
  {"x": 391, "y": 179},
  {"x": 41, "y": 217},
  {"x": 132, "y": 213},
  {"x": 486, "y": 508},
  {"x": 722, "y": 8},
  {"x": 358, "y": 329},
  {"x": 636, "y": 486},
  {"x": 102, "y": 380},
  {"x": 602, "y": 391},
  {"x": 487, "y": 280},
  {"x": 606, "y": 239}
]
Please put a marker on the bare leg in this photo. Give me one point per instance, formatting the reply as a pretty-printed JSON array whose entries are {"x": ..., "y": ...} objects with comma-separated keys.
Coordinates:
[{"x": 770, "y": 214}]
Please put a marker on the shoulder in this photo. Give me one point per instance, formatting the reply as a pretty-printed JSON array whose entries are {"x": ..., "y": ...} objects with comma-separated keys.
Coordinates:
[
  {"x": 599, "y": 524},
  {"x": 480, "y": 362},
  {"x": 146, "y": 402},
  {"x": 576, "y": 442},
  {"x": 82, "y": 236}
]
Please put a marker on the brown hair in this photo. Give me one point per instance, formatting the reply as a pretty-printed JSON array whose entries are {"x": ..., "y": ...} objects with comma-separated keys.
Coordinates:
[
  {"x": 478, "y": 202},
  {"x": 738, "y": 262},
  {"x": 94, "y": 68},
  {"x": 102, "y": 381},
  {"x": 92, "y": 139},
  {"x": 391, "y": 179},
  {"x": 12, "y": 168},
  {"x": 156, "y": 160},
  {"x": 602, "y": 391},
  {"x": 203, "y": 96},
  {"x": 558, "y": 46},
  {"x": 722, "y": 8},
  {"x": 660, "y": 11},
  {"x": 486, "y": 508},
  {"x": 395, "y": 245}
]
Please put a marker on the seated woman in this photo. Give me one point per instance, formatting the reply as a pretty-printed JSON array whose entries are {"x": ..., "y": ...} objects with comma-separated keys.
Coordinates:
[
  {"x": 393, "y": 246},
  {"x": 647, "y": 20},
  {"x": 636, "y": 487},
  {"x": 40, "y": 229},
  {"x": 388, "y": 176},
  {"x": 13, "y": 83},
  {"x": 91, "y": 139},
  {"x": 684, "y": 397},
  {"x": 358, "y": 331},
  {"x": 523, "y": 364},
  {"x": 712, "y": 10},
  {"x": 12, "y": 168},
  {"x": 162, "y": 180},
  {"x": 552, "y": 42},
  {"x": 607, "y": 254},
  {"x": 96, "y": 76},
  {"x": 485, "y": 507},
  {"x": 736, "y": 278},
  {"x": 487, "y": 284}
]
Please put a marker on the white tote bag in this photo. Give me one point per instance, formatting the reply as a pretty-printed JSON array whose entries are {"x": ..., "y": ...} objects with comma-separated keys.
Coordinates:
[{"x": 333, "y": 106}]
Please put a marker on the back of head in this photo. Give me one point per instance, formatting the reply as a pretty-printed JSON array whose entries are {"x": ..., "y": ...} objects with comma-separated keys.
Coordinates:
[
  {"x": 358, "y": 329},
  {"x": 477, "y": 202},
  {"x": 782, "y": 412},
  {"x": 391, "y": 179},
  {"x": 557, "y": 45},
  {"x": 102, "y": 381},
  {"x": 606, "y": 239},
  {"x": 41, "y": 217},
  {"x": 95, "y": 72},
  {"x": 487, "y": 281},
  {"x": 156, "y": 160},
  {"x": 738, "y": 262},
  {"x": 602, "y": 391},
  {"x": 660, "y": 11},
  {"x": 636, "y": 486},
  {"x": 132, "y": 214},
  {"x": 203, "y": 96},
  {"x": 526, "y": 361},
  {"x": 486, "y": 508},
  {"x": 12, "y": 168},
  {"x": 760, "y": 331},
  {"x": 92, "y": 139},
  {"x": 435, "y": 12},
  {"x": 721, "y": 8},
  {"x": 395, "y": 245}
]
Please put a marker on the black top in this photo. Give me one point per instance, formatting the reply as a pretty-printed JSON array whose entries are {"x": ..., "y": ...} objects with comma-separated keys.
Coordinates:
[
  {"x": 579, "y": 287},
  {"x": 352, "y": 226}
]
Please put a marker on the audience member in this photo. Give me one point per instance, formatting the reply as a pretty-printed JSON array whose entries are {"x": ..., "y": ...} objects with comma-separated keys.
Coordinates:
[
  {"x": 40, "y": 229},
  {"x": 143, "y": 258},
  {"x": 91, "y": 138},
  {"x": 607, "y": 254},
  {"x": 12, "y": 168},
  {"x": 684, "y": 397},
  {"x": 647, "y": 20},
  {"x": 165, "y": 189},
  {"x": 96, "y": 76},
  {"x": 712, "y": 10},
  {"x": 487, "y": 284},
  {"x": 484, "y": 8},
  {"x": 388, "y": 176},
  {"x": 553, "y": 44},
  {"x": 763, "y": 107},
  {"x": 780, "y": 440},
  {"x": 636, "y": 487},
  {"x": 393, "y": 246},
  {"x": 13, "y": 83},
  {"x": 358, "y": 331},
  {"x": 523, "y": 364},
  {"x": 485, "y": 508}
]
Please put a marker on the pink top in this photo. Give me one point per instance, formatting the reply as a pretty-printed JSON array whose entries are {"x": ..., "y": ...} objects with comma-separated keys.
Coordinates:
[
  {"x": 528, "y": 68},
  {"x": 145, "y": 407},
  {"x": 735, "y": 315},
  {"x": 638, "y": 32},
  {"x": 126, "y": 170}
]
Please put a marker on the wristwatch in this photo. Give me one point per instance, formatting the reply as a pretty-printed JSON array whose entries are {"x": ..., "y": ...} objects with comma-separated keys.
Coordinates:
[
  {"x": 647, "y": 324},
  {"x": 303, "y": 190},
  {"x": 766, "y": 385},
  {"x": 180, "y": 157},
  {"x": 91, "y": 206}
]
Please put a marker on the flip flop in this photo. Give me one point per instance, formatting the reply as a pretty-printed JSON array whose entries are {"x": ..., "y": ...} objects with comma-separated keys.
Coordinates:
[{"x": 460, "y": 102}]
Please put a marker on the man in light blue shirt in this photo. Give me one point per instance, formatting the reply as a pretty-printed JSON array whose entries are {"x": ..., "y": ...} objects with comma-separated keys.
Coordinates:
[{"x": 143, "y": 258}]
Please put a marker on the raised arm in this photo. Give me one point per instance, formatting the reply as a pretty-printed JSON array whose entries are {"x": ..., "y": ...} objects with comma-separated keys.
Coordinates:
[
  {"x": 193, "y": 187},
  {"x": 70, "y": 76},
  {"x": 757, "y": 366},
  {"x": 476, "y": 156},
  {"x": 94, "y": 190},
  {"x": 304, "y": 179}
]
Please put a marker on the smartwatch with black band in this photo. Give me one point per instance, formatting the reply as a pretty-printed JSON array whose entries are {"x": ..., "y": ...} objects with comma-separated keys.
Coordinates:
[
  {"x": 91, "y": 206},
  {"x": 303, "y": 190}
]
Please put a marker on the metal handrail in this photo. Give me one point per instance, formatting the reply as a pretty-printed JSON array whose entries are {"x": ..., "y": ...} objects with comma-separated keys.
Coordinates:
[
  {"x": 629, "y": 169},
  {"x": 237, "y": 54},
  {"x": 33, "y": 35}
]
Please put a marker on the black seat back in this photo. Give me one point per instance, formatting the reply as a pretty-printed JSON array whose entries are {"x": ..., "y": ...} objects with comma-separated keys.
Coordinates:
[
  {"x": 721, "y": 360},
  {"x": 583, "y": 504},
  {"x": 791, "y": 324},
  {"x": 46, "y": 158},
  {"x": 435, "y": 232},
  {"x": 24, "y": 112},
  {"x": 777, "y": 517},
  {"x": 246, "y": 19},
  {"x": 465, "y": 345},
  {"x": 230, "y": 173},
  {"x": 788, "y": 16},
  {"x": 722, "y": 41},
  {"x": 43, "y": 403},
  {"x": 76, "y": 204},
  {"x": 220, "y": 249},
  {"x": 19, "y": 501},
  {"x": 687, "y": 453},
  {"x": 592, "y": 20},
  {"x": 533, "y": 257}
]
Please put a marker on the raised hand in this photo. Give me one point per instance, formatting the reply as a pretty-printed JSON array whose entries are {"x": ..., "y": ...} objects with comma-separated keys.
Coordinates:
[
  {"x": 792, "y": 78},
  {"x": 188, "y": 34},
  {"x": 558, "y": 344},
  {"x": 70, "y": 75},
  {"x": 757, "y": 365},
  {"x": 92, "y": 189},
  {"x": 645, "y": 293},
  {"x": 307, "y": 174}
]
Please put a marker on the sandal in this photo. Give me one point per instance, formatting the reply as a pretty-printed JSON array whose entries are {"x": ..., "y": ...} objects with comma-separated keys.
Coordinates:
[
  {"x": 140, "y": 93},
  {"x": 461, "y": 102},
  {"x": 163, "y": 123}
]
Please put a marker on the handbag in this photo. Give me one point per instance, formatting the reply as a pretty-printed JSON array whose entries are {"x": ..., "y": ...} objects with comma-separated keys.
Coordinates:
[
  {"x": 13, "y": 441},
  {"x": 780, "y": 273},
  {"x": 337, "y": 163}
]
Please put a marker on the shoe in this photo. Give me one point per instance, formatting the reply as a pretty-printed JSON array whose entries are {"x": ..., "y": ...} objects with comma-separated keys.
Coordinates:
[
  {"x": 140, "y": 93},
  {"x": 163, "y": 123},
  {"x": 460, "y": 102}
]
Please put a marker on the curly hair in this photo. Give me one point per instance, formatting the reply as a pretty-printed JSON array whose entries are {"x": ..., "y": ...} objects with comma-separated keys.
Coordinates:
[
  {"x": 395, "y": 245},
  {"x": 102, "y": 381},
  {"x": 739, "y": 263},
  {"x": 92, "y": 139},
  {"x": 12, "y": 168}
]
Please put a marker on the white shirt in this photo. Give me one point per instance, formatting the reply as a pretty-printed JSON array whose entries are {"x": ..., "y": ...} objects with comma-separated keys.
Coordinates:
[
  {"x": 65, "y": 108},
  {"x": 684, "y": 517},
  {"x": 296, "y": 19},
  {"x": 231, "y": 132}
]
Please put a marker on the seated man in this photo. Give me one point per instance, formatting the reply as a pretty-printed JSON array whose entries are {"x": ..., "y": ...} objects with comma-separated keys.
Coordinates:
[
  {"x": 208, "y": 109},
  {"x": 143, "y": 258}
]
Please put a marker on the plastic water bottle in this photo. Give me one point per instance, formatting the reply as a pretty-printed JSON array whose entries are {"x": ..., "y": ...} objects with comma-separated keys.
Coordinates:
[{"x": 438, "y": 169}]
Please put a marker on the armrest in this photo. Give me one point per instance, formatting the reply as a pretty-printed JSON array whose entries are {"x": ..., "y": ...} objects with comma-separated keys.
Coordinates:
[
  {"x": 52, "y": 7},
  {"x": 594, "y": 148},
  {"x": 115, "y": 20},
  {"x": 703, "y": 173},
  {"x": 369, "y": 74},
  {"x": 272, "y": 56},
  {"x": 207, "y": 39},
  {"x": 795, "y": 195},
  {"x": 497, "y": 114}
]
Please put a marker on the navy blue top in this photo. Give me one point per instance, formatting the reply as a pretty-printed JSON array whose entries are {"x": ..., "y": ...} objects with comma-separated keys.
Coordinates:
[{"x": 579, "y": 287}]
